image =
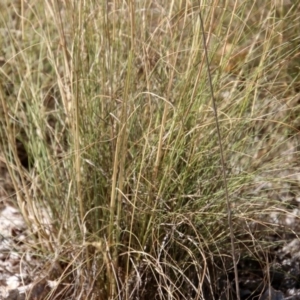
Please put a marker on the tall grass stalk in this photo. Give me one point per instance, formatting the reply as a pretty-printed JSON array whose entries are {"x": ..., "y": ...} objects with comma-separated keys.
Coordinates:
[{"x": 228, "y": 202}]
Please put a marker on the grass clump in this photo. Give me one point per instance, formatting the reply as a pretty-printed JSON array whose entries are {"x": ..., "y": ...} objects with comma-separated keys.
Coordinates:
[{"x": 121, "y": 181}]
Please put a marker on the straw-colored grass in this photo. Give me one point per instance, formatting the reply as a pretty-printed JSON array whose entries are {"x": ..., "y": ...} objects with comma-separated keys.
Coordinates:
[{"x": 123, "y": 185}]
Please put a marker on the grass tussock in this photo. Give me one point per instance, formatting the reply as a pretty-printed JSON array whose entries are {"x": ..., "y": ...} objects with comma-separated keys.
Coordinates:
[{"x": 119, "y": 174}]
